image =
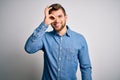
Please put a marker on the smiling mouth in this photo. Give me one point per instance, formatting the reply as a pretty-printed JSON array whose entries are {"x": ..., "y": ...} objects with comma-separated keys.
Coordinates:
[{"x": 57, "y": 24}]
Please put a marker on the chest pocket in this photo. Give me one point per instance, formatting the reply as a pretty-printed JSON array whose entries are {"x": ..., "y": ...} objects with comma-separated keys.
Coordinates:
[{"x": 71, "y": 55}]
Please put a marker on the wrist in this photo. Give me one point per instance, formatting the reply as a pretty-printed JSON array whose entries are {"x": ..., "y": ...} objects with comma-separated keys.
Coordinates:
[{"x": 45, "y": 22}]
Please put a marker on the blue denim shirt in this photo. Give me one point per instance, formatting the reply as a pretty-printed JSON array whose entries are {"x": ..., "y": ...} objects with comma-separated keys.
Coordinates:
[{"x": 61, "y": 53}]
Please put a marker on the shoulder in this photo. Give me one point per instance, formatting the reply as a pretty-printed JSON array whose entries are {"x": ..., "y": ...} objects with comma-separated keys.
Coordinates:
[
  {"x": 49, "y": 33},
  {"x": 78, "y": 35}
]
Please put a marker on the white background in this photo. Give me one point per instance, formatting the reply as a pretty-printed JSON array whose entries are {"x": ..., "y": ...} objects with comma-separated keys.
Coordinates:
[{"x": 97, "y": 20}]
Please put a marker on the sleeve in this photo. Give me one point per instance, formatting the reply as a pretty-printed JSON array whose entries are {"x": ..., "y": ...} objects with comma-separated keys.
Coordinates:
[
  {"x": 34, "y": 42},
  {"x": 84, "y": 60}
]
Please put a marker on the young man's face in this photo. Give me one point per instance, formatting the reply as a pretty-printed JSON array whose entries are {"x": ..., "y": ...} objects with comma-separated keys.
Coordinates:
[{"x": 60, "y": 20}]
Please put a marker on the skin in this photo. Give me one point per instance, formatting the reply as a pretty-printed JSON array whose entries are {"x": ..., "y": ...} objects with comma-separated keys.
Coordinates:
[{"x": 57, "y": 20}]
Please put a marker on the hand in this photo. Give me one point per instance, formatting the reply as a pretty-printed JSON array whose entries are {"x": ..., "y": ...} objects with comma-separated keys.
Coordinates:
[{"x": 49, "y": 18}]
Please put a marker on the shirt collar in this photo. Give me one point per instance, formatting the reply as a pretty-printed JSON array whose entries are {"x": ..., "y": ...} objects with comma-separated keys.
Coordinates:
[{"x": 68, "y": 33}]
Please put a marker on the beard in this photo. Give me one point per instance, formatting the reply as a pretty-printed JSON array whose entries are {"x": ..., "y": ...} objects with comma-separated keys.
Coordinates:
[{"x": 59, "y": 28}]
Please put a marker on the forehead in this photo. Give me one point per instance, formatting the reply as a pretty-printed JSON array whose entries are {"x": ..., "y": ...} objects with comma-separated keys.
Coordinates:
[{"x": 57, "y": 12}]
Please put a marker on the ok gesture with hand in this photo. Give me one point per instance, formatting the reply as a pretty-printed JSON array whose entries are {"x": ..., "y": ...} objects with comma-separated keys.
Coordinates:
[{"x": 49, "y": 18}]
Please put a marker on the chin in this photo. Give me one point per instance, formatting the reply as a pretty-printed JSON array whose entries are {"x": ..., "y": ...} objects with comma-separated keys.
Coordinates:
[{"x": 56, "y": 29}]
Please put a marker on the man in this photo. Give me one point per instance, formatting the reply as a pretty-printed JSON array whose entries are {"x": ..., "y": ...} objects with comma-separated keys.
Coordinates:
[{"x": 63, "y": 48}]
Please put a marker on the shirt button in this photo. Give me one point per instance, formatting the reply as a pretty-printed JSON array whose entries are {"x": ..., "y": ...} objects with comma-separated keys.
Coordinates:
[
  {"x": 59, "y": 59},
  {"x": 58, "y": 69},
  {"x": 60, "y": 48}
]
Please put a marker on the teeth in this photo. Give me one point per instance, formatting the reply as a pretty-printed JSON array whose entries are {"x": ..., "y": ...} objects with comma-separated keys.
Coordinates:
[{"x": 57, "y": 24}]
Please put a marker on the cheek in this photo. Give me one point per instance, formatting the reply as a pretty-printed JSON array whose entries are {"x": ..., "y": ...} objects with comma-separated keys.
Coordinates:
[{"x": 64, "y": 21}]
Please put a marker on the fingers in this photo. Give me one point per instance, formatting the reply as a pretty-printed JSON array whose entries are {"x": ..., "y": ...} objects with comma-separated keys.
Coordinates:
[
  {"x": 47, "y": 10},
  {"x": 49, "y": 18},
  {"x": 52, "y": 17}
]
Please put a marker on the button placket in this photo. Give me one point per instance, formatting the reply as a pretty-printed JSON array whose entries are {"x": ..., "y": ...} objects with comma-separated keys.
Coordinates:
[{"x": 59, "y": 57}]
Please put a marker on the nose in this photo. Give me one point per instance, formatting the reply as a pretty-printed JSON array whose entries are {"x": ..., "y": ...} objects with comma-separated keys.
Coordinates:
[{"x": 56, "y": 19}]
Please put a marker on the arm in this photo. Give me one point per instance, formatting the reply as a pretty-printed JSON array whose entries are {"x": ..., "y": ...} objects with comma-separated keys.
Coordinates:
[
  {"x": 34, "y": 42},
  {"x": 85, "y": 65}
]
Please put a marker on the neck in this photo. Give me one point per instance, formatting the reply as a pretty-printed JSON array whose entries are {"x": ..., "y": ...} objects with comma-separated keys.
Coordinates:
[{"x": 63, "y": 31}]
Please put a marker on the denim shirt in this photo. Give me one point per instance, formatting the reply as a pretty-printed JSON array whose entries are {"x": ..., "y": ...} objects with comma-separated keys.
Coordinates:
[{"x": 61, "y": 53}]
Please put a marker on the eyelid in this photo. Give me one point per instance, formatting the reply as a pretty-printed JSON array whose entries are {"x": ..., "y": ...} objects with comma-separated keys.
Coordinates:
[{"x": 60, "y": 16}]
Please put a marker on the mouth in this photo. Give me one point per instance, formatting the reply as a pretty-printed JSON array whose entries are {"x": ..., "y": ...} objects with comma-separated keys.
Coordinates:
[{"x": 57, "y": 25}]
